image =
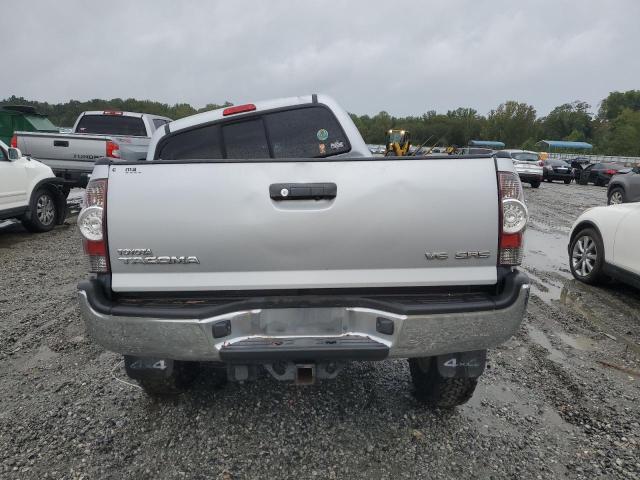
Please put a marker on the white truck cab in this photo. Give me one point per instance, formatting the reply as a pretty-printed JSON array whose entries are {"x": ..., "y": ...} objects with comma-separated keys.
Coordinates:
[{"x": 30, "y": 192}]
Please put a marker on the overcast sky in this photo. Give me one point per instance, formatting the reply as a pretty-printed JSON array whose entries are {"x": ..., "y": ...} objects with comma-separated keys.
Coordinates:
[{"x": 405, "y": 57}]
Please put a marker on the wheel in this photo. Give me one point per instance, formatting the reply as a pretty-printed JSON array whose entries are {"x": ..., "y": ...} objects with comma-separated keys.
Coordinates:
[
  {"x": 567, "y": 181},
  {"x": 597, "y": 182},
  {"x": 549, "y": 180},
  {"x": 535, "y": 184},
  {"x": 616, "y": 196},
  {"x": 182, "y": 376},
  {"x": 43, "y": 212},
  {"x": 587, "y": 256},
  {"x": 435, "y": 390}
]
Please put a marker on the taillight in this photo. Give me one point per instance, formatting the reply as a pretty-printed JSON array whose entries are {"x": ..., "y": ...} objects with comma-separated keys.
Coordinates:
[
  {"x": 514, "y": 217},
  {"x": 112, "y": 112},
  {"x": 113, "y": 149},
  {"x": 541, "y": 163},
  {"x": 14, "y": 141},
  {"x": 611, "y": 172},
  {"x": 249, "y": 107},
  {"x": 92, "y": 222}
]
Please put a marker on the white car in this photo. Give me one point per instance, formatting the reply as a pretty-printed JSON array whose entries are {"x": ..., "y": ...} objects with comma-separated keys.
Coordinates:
[
  {"x": 527, "y": 163},
  {"x": 604, "y": 243},
  {"x": 30, "y": 192}
]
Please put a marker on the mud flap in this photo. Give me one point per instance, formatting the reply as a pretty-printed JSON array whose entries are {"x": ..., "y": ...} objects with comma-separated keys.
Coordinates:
[
  {"x": 462, "y": 365},
  {"x": 141, "y": 368}
]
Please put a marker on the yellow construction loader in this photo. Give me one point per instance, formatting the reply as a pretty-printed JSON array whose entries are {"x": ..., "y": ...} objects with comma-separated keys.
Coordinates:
[{"x": 397, "y": 143}]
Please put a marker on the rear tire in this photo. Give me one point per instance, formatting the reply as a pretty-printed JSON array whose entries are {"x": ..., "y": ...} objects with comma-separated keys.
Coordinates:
[
  {"x": 616, "y": 196},
  {"x": 43, "y": 212},
  {"x": 535, "y": 184},
  {"x": 567, "y": 182},
  {"x": 182, "y": 376},
  {"x": 586, "y": 256},
  {"x": 434, "y": 390}
]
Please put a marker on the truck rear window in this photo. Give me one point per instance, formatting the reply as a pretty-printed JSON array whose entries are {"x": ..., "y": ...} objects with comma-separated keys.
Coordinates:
[
  {"x": 306, "y": 132},
  {"x": 201, "y": 143},
  {"x": 245, "y": 139},
  {"x": 112, "y": 125}
]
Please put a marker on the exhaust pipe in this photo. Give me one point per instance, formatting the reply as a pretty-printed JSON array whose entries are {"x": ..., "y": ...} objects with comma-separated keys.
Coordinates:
[{"x": 305, "y": 374}]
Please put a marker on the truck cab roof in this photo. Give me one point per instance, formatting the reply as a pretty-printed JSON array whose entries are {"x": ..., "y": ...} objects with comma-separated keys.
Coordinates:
[{"x": 234, "y": 113}]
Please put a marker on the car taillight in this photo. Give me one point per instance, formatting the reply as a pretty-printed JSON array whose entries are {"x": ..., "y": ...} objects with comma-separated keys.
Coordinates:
[
  {"x": 541, "y": 163},
  {"x": 249, "y": 107},
  {"x": 113, "y": 149},
  {"x": 611, "y": 172},
  {"x": 514, "y": 217},
  {"x": 92, "y": 222},
  {"x": 14, "y": 141}
]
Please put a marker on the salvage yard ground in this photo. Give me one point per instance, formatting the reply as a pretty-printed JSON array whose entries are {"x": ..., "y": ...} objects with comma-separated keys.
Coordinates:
[{"x": 559, "y": 400}]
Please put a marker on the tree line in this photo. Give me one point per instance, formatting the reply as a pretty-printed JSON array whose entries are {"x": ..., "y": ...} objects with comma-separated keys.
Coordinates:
[{"x": 613, "y": 130}]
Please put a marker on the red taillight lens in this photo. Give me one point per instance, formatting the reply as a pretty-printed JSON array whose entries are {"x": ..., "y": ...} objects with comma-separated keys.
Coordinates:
[
  {"x": 14, "y": 141},
  {"x": 113, "y": 149},
  {"x": 92, "y": 222},
  {"x": 513, "y": 219},
  {"x": 541, "y": 163},
  {"x": 249, "y": 107},
  {"x": 611, "y": 172}
]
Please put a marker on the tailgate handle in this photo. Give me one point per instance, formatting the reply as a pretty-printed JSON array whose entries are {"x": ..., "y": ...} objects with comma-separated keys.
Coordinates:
[
  {"x": 60, "y": 143},
  {"x": 303, "y": 191}
]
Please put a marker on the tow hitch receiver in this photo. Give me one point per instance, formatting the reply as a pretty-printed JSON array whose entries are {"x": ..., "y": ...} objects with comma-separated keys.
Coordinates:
[
  {"x": 462, "y": 365},
  {"x": 305, "y": 374}
]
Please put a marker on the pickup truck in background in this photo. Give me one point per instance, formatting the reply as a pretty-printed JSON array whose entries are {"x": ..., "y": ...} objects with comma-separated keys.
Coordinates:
[
  {"x": 266, "y": 235},
  {"x": 96, "y": 134}
]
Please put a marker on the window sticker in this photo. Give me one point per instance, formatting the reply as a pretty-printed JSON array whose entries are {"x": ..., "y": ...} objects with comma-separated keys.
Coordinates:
[{"x": 322, "y": 134}]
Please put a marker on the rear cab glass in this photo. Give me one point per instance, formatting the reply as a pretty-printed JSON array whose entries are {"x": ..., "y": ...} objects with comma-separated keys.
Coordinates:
[
  {"x": 112, "y": 125},
  {"x": 306, "y": 133},
  {"x": 301, "y": 132},
  {"x": 158, "y": 122}
]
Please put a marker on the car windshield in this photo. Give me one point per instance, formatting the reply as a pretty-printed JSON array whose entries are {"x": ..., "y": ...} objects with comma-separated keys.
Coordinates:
[{"x": 526, "y": 157}]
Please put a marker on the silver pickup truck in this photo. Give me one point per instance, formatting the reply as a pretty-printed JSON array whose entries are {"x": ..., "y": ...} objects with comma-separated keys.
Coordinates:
[
  {"x": 96, "y": 134},
  {"x": 266, "y": 237}
]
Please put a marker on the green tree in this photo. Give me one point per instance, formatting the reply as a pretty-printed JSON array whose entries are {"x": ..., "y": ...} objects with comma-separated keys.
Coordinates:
[
  {"x": 571, "y": 121},
  {"x": 616, "y": 102},
  {"x": 512, "y": 123},
  {"x": 623, "y": 136}
]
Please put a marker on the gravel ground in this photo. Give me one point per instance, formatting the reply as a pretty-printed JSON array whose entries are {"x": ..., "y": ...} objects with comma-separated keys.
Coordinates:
[{"x": 559, "y": 400}]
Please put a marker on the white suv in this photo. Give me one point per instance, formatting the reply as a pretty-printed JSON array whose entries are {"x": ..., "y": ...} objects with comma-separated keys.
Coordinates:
[{"x": 30, "y": 192}]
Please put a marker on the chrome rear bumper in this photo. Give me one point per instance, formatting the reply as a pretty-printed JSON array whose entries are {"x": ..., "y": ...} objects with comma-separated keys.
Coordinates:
[{"x": 412, "y": 335}]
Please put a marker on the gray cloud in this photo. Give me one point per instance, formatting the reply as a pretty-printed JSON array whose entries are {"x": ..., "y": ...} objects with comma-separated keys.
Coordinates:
[{"x": 404, "y": 57}]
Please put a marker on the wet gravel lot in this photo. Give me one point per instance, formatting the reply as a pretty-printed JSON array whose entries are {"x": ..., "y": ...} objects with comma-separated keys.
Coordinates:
[{"x": 559, "y": 400}]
